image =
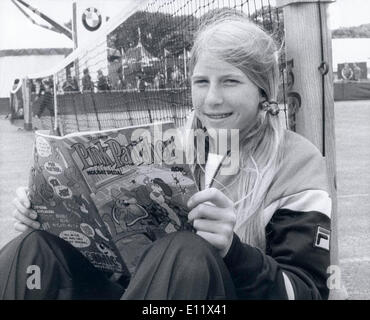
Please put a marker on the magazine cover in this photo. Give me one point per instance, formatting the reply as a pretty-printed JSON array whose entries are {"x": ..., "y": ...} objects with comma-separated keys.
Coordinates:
[{"x": 112, "y": 193}]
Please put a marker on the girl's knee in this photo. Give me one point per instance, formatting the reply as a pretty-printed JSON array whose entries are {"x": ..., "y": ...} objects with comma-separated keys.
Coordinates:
[
  {"x": 36, "y": 246},
  {"x": 186, "y": 242},
  {"x": 36, "y": 238},
  {"x": 182, "y": 252},
  {"x": 27, "y": 238}
]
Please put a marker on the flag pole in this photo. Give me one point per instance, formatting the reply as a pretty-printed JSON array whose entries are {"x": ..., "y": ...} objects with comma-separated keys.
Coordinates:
[
  {"x": 165, "y": 65},
  {"x": 185, "y": 64}
]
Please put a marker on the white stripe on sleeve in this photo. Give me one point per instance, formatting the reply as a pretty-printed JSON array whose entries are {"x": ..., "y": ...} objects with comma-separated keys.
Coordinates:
[
  {"x": 289, "y": 287},
  {"x": 305, "y": 201}
]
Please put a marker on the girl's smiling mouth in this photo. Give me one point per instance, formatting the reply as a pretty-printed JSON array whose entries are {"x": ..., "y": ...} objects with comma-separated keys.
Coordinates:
[{"x": 218, "y": 115}]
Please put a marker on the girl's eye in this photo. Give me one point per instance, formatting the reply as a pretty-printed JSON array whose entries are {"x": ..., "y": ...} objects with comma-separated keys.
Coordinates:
[
  {"x": 231, "y": 81},
  {"x": 200, "y": 81}
]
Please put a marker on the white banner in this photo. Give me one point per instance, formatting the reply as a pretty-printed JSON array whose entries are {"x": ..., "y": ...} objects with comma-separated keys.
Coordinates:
[{"x": 91, "y": 17}]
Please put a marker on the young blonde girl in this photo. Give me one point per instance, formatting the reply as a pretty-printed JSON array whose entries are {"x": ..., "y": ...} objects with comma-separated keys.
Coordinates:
[{"x": 262, "y": 232}]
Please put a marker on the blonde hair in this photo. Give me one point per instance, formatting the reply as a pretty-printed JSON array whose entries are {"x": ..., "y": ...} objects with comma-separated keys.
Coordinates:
[{"x": 232, "y": 37}]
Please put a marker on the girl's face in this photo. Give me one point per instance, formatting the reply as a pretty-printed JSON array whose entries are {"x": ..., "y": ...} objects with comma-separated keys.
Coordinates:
[{"x": 223, "y": 96}]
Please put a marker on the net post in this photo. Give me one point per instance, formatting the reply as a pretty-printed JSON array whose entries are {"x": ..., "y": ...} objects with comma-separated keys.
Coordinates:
[
  {"x": 55, "y": 103},
  {"x": 11, "y": 101},
  {"x": 310, "y": 93},
  {"x": 27, "y": 110},
  {"x": 74, "y": 25}
]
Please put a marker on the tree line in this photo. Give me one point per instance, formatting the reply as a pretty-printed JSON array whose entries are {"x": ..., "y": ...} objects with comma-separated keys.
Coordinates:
[
  {"x": 163, "y": 32},
  {"x": 362, "y": 31}
]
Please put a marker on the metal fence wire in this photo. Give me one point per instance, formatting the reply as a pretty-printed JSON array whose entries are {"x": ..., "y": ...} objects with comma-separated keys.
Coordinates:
[{"x": 137, "y": 73}]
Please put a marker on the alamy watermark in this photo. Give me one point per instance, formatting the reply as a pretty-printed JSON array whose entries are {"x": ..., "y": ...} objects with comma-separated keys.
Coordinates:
[
  {"x": 157, "y": 146},
  {"x": 334, "y": 281},
  {"x": 34, "y": 278}
]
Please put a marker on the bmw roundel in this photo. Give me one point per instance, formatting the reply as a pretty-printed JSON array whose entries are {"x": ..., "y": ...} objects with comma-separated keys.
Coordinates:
[{"x": 92, "y": 19}]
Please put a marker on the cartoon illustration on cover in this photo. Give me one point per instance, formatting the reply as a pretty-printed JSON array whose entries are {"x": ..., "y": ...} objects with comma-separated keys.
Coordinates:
[
  {"x": 64, "y": 208},
  {"x": 105, "y": 193}
]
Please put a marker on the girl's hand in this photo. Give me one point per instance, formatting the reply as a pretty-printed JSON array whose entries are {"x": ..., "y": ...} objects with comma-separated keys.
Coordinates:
[
  {"x": 24, "y": 216},
  {"x": 213, "y": 216}
]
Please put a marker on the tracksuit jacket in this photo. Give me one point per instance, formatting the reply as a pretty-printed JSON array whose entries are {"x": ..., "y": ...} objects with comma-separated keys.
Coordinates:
[{"x": 297, "y": 223}]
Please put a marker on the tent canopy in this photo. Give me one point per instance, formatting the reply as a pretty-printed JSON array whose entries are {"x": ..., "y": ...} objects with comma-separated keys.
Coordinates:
[{"x": 20, "y": 63}]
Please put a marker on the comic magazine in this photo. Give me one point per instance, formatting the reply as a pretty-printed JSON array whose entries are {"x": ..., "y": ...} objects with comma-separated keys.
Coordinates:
[{"x": 111, "y": 193}]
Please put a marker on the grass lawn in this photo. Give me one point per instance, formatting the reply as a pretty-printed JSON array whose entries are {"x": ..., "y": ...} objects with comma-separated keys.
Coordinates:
[{"x": 352, "y": 122}]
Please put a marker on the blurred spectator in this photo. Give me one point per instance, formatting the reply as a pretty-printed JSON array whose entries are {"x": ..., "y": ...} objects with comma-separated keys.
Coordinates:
[
  {"x": 87, "y": 84},
  {"x": 15, "y": 84},
  {"x": 140, "y": 84},
  {"x": 122, "y": 83},
  {"x": 16, "y": 105},
  {"x": 46, "y": 99},
  {"x": 177, "y": 78},
  {"x": 39, "y": 88},
  {"x": 33, "y": 86},
  {"x": 102, "y": 82},
  {"x": 70, "y": 85},
  {"x": 159, "y": 81},
  {"x": 114, "y": 73},
  {"x": 50, "y": 83},
  {"x": 347, "y": 72},
  {"x": 356, "y": 72}
]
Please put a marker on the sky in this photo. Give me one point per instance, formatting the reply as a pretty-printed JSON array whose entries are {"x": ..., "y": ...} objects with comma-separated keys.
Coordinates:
[
  {"x": 16, "y": 31},
  {"x": 346, "y": 13}
]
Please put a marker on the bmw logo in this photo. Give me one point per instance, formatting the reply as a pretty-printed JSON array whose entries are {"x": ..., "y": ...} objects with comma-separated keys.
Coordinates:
[{"x": 92, "y": 19}]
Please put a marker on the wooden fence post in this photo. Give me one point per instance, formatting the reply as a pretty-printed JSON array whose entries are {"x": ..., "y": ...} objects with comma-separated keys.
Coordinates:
[{"x": 310, "y": 91}]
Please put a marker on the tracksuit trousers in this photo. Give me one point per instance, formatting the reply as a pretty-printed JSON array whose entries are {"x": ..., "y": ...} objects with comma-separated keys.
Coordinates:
[{"x": 179, "y": 266}]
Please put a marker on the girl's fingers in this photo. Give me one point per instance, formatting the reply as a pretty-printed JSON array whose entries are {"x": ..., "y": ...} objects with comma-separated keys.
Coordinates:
[
  {"x": 211, "y": 212},
  {"x": 205, "y": 211},
  {"x": 22, "y": 195},
  {"x": 212, "y": 226},
  {"x": 19, "y": 226},
  {"x": 212, "y": 195},
  {"x": 23, "y": 210},
  {"x": 25, "y": 220}
]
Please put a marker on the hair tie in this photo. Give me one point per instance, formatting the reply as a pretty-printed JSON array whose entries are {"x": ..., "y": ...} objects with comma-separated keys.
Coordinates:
[{"x": 270, "y": 107}]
